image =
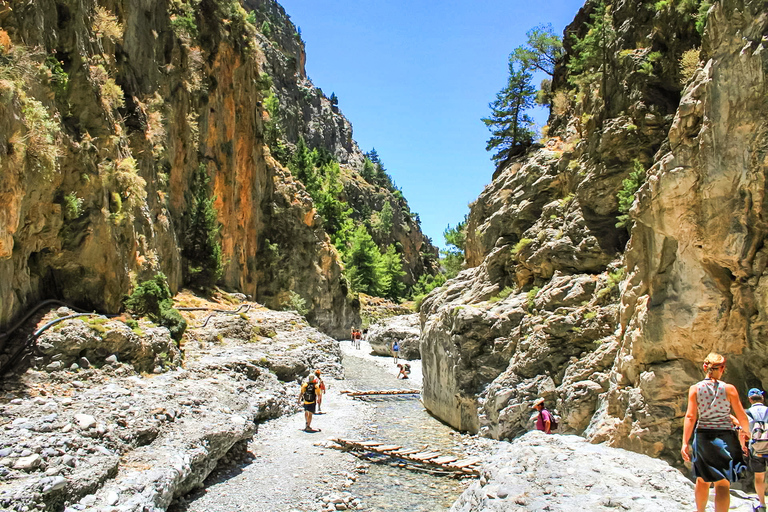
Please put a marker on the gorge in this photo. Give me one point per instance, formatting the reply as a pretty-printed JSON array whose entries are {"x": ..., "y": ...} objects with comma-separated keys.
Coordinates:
[{"x": 152, "y": 142}]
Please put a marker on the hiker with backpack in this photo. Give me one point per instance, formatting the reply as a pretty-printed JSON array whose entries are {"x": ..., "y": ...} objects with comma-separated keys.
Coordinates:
[
  {"x": 758, "y": 446},
  {"x": 308, "y": 396},
  {"x": 405, "y": 371},
  {"x": 716, "y": 450},
  {"x": 395, "y": 349},
  {"x": 545, "y": 421},
  {"x": 321, "y": 392}
]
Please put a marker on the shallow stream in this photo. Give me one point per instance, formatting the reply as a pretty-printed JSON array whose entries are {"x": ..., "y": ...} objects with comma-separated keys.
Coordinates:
[{"x": 407, "y": 423}]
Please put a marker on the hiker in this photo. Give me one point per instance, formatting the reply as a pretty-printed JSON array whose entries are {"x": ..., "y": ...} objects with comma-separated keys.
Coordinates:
[
  {"x": 358, "y": 337},
  {"x": 308, "y": 396},
  {"x": 405, "y": 370},
  {"x": 395, "y": 349},
  {"x": 716, "y": 451},
  {"x": 757, "y": 413},
  {"x": 321, "y": 386},
  {"x": 544, "y": 418}
]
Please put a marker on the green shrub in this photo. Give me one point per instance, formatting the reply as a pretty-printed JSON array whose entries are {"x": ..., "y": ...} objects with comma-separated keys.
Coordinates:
[
  {"x": 503, "y": 294},
  {"x": 689, "y": 63},
  {"x": 42, "y": 132},
  {"x": 72, "y": 206},
  {"x": 112, "y": 95},
  {"x": 531, "y": 297},
  {"x": 614, "y": 278},
  {"x": 183, "y": 22},
  {"x": 59, "y": 79},
  {"x": 152, "y": 299},
  {"x": 295, "y": 302},
  {"x": 626, "y": 195},
  {"x": 589, "y": 315},
  {"x": 105, "y": 24},
  {"x": 519, "y": 246}
]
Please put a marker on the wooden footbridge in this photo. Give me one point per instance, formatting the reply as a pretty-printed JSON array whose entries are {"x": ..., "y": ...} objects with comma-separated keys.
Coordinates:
[
  {"x": 381, "y": 393},
  {"x": 430, "y": 460}
]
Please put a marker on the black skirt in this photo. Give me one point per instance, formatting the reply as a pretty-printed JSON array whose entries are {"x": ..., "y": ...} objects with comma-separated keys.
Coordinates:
[{"x": 717, "y": 455}]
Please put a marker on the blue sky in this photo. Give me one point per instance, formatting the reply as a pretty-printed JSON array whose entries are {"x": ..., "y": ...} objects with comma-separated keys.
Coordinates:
[{"x": 414, "y": 78}]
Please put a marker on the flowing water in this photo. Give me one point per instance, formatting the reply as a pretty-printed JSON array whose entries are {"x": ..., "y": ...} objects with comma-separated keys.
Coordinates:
[{"x": 407, "y": 423}]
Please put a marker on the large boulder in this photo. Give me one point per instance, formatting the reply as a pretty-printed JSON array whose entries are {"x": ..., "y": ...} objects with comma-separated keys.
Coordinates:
[
  {"x": 403, "y": 329},
  {"x": 568, "y": 474}
]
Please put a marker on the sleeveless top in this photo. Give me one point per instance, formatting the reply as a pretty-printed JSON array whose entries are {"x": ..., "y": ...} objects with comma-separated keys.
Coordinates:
[{"x": 714, "y": 407}]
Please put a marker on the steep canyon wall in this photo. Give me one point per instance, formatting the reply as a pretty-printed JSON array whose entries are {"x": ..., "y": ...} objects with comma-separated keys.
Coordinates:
[
  {"x": 108, "y": 108},
  {"x": 609, "y": 323}
]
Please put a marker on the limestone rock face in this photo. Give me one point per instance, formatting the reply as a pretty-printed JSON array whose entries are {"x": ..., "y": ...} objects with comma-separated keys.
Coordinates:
[
  {"x": 566, "y": 473},
  {"x": 558, "y": 302},
  {"x": 306, "y": 111},
  {"x": 696, "y": 259},
  {"x": 404, "y": 329},
  {"x": 99, "y": 152},
  {"x": 537, "y": 311},
  {"x": 540, "y": 303}
]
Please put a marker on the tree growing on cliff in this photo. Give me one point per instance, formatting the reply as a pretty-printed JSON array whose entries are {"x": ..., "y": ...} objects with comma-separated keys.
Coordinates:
[
  {"x": 626, "y": 195},
  {"x": 592, "y": 59},
  {"x": 511, "y": 128},
  {"x": 392, "y": 285},
  {"x": 363, "y": 262},
  {"x": 542, "y": 50},
  {"x": 453, "y": 255},
  {"x": 202, "y": 250}
]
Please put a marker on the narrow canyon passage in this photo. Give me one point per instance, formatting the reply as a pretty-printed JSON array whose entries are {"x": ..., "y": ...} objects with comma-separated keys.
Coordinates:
[{"x": 291, "y": 470}]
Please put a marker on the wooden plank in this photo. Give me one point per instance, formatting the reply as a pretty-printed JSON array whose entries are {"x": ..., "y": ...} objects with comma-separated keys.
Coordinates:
[
  {"x": 388, "y": 447},
  {"x": 345, "y": 441},
  {"x": 466, "y": 462},
  {"x": 404, "y": 452},
  {"x": 443, "y": 460},
  {"x": 369, "y": 444},
  {"x": 385, "y": 392},
  {"x": 425, "y": 456}
]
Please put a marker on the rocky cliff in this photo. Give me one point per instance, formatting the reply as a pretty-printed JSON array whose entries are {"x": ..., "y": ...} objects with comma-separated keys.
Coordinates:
[
  {"x": 107, "y": 110},
  {"x": 608, "y": 323}
]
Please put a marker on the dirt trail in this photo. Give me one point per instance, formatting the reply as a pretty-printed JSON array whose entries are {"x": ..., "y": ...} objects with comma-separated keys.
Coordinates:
[{"x": 291, "y": 470}]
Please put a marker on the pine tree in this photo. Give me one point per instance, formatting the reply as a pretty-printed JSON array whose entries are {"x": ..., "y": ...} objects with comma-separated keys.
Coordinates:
[
  {"x": 542, "y": 50},
  {"x": 202, "y": 250},
  {"x": 453, "y": 256},
  {"x": 302, "y": 165},
  {"x": 592, "y": 54},
  {"x": 392, "y": 285},
  {"x": 511, "y": 128},
  {"x": 335, "y": 212},
  {"x": 364, "y": 268},
  {"x": 369, "y": 171}
]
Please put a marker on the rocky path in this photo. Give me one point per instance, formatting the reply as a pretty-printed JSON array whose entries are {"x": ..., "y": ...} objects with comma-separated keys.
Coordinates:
[{"x": 290, "y": 469}]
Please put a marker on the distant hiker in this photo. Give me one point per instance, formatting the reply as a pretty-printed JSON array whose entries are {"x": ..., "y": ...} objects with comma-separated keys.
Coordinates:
[
  {"x": 544, "y": 418},
  {"x": 395, "y": 349},
  {"x": 405, "y": 370},
  {"x": 321, "y": 385},
  {"x": 716, "y": 451},
  {"x": 358, "y": 337},
  {"x": 758, "y": 420},
  {"x": 308, "y": 396}
]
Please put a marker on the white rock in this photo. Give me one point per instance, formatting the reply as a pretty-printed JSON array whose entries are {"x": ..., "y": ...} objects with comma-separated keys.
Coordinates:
[
  {"x": 28, "y": 463},
  {"x": 85, "y": 421},
  {"x": 112, "y": 498}
]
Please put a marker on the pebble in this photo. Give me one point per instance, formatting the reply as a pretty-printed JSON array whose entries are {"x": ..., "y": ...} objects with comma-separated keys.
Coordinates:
[
  {"x": 85, "y": 421},
  {"x": 28, "y": 463},
  {"x": 112, "y": 498}
]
